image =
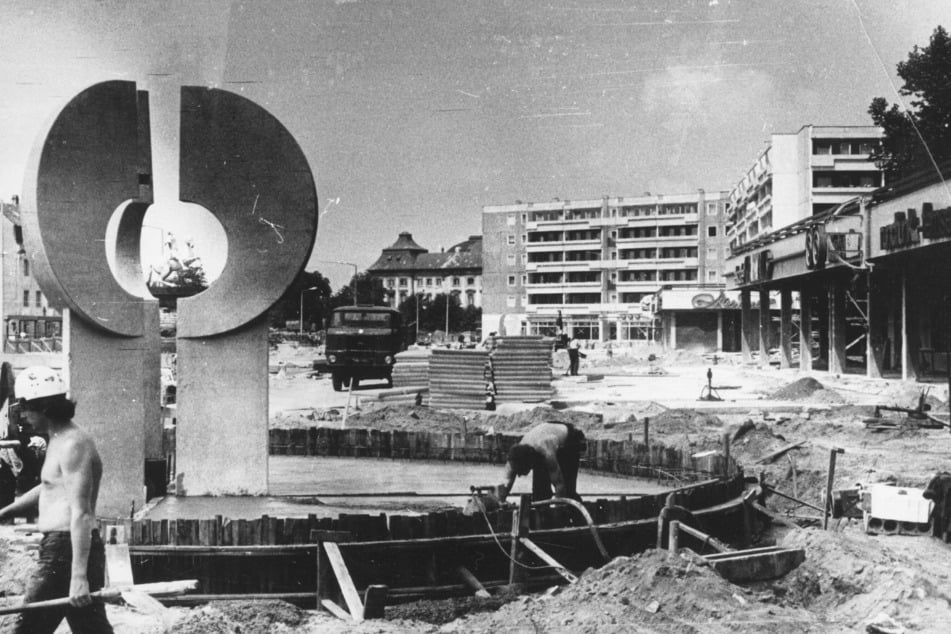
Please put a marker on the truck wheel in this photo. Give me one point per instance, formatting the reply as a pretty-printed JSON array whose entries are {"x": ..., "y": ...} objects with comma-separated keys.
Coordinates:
[
  {"x": 354, "y": 383},
  {"x": 389, "y": 380},
  {"x": 337, "y": 381}
]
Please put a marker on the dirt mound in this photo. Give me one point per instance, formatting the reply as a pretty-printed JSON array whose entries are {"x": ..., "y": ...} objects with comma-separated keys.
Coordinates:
[
  {"x": 801, "y": 388},
  {"x": 683, "y": 421},
  {"x": 525, "y": 420},
  {"x": 308, "y": 417},
  {"x": 851, "y": 579},
  {"x": 16, "y": 565},
  {"x": 644, "y": 593},
  {"x": 446, "y": 610},
  {"x": 409, "y": 418},
  {"x": 246, "y": 617}
]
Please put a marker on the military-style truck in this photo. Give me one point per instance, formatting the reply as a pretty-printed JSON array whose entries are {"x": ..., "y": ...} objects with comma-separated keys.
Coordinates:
[{"x": 362, "y": 342}]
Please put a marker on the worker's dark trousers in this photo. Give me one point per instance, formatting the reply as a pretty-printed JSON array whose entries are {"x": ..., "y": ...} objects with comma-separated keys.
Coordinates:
[
  {"x": 568, "y": 457},
  {"x": 574, "y": 361},
  {"x": 51, "y": 581}
]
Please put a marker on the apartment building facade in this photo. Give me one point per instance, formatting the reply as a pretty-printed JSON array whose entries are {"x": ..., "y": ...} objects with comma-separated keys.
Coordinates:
[
  {"x": 597, "y": 265},
  {"x": 30, "y": 324},
  {"x": 800, "y": 175},
  {"x": 407, "y": 269}
]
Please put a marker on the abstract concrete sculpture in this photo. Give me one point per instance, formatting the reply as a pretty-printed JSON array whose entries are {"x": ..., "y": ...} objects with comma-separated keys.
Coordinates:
[{"x": 244, "y": 167}]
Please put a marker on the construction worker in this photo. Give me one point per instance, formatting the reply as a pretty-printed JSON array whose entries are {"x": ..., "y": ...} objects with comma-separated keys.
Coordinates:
[
  {"x": 552, "y": 452},
  {"x": 72, "y": 556}
]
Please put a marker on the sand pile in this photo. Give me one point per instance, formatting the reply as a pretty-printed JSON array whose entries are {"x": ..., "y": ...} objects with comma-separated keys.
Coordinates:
[
  {"x": 850, "y": 579},
  {"x": 246, "y": 617},
  {"x": 643, "y": 593},
  {"x": 807, "y": 387}
]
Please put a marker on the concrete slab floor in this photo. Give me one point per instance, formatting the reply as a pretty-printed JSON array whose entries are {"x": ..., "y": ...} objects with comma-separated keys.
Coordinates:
[{"x": 426, "y": 486}]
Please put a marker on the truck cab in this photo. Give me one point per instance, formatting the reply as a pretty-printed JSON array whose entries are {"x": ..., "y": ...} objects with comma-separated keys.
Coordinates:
[{"x": 362, "y": 342}]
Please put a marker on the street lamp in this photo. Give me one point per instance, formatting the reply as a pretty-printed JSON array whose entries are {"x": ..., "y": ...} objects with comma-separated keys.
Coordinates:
[
  {"x": 354, "y": 289},
  {"x": 302, "y": 291}
]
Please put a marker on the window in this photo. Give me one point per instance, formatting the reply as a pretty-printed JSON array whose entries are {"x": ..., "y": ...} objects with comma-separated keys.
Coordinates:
[
  {"x": 510, "y": 301},
  {"x": 711, "y": 209},
  {"x": 510, "y": 259},
  {"x": 402, "y": 282},
  {"x": 712, "y": 232},
  {"x": 455, "y": 281},
  {"x": 711, "y": 253},
  {"x": 390, "y": 283},
  {"x": 429, "y": 281},
  {"x": 470, "y": 298},
  {"x": 510, "y": 220},
  {"x": 524, "y": 218},
  {"x": 524, "y": 280},
  {"x": 39, "y": 299},
  {"x": 26, "y": 298},
  {"x": 524, "y": 238},
  {"x": 511, "y": 280},
  {"x": 26, "y": 268},
  {"x": 711, "y": 276},
  {"x": 524, "y": 258},
  {"x": 510, "y": 239},
  {"x": 470, "y": 281}
]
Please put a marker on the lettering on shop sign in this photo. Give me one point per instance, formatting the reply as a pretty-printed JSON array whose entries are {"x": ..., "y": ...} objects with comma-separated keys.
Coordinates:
[
  {"x": 761, "y": 266},
  {"x": 935, "y": 223},
  {"x": 816, "y": 247},
  {"x": 903, "y": 232},
  {"x": 742, "y": 271}
]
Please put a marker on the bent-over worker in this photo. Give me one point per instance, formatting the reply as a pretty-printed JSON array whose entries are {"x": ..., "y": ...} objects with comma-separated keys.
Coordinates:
[
  {"x": 552, "y": 452},
  {"x": 72, "y": 556}
]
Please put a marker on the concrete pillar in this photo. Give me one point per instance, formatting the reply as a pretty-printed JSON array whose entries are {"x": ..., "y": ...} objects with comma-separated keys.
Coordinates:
[
  {"x": 719, "y": 331},
  {"x": 835, "y": 297},
  {"x": 746, "y": 325},
  {"x": 222, "y": 434},
  {"x": 673, "y": 331},
  {"x": 821, "y": 309},
  {"x": 875, "y": 339},
  {"x": 115, "y": 383},
  {"x": 763, "y": 328},
  {"x": 785, "y": 328},
  {"x": 805, "y": 329}
]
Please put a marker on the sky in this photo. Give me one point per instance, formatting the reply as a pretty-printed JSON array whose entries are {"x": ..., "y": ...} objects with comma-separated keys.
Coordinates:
[{"x": 415, "y": 114}]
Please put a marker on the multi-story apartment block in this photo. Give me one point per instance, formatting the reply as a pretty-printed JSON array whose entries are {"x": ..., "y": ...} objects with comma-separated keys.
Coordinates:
[
  {"x": 407, "y": 269},
  {"x": 595, "y": 262},
  {"x": 802, "y": 174},
  {"x": 30, "y": 324}
]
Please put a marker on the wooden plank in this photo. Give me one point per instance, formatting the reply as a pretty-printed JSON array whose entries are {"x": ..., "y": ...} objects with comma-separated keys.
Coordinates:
[
  {"x": 349, "y": 591},
  {"x": 548, "y": 559},
  {"x": 118, "y": 566},
  {"x": 224, "y": 551},
  {"x": 336, "y": 610}
]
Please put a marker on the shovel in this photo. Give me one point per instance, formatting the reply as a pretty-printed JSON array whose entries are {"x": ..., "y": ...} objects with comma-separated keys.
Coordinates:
[
  {"x": 137, "y": 596},
  {"x": 107, "y": 594}
]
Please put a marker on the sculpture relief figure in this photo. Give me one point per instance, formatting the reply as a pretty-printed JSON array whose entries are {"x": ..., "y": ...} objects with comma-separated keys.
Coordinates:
[{"x": 184, "y": 274}]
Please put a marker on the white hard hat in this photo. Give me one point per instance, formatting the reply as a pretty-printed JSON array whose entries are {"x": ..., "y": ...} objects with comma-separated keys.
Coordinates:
[{"x": 38, "y": 382}]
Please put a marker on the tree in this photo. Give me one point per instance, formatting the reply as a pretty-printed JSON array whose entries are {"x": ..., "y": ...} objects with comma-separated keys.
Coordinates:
[
  {"x": 368, "y": 291},
  {"x": 927, "y": 80},
  {"x": 316, "y": 302}
]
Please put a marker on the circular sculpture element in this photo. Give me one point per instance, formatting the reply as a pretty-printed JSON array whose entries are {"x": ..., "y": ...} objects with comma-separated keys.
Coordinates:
[
  {"x": 86, "y": 166},
  {"x": 242, "y": 165},
  {"x": 237, "y": 161}
]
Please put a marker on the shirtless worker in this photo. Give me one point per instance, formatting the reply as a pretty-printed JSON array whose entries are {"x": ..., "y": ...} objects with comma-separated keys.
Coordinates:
[
  {"x": 72, "y": 556},
  {"x": 552, "y": 452}
]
